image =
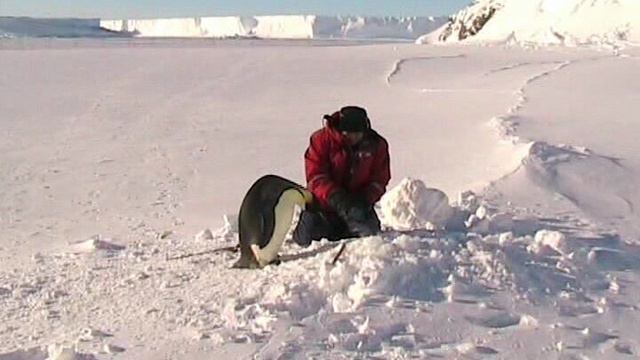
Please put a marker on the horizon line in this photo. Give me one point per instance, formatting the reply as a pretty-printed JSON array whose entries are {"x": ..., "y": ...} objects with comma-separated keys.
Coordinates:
[{"x": 142, "y": 17}]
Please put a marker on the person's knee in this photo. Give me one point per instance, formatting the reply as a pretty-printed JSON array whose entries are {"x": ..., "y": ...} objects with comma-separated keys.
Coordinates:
[
  {"x": 375, "y": 221},
  {"x": 311, "y": 226}
]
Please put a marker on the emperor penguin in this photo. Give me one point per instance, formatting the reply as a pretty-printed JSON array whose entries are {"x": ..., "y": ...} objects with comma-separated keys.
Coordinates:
[{"x": 265, "y": 217}]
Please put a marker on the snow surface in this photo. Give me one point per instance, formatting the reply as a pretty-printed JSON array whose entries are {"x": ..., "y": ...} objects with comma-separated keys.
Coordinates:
[
  {"x": 279, "y": 27},
  {"x": 511, "y": 222},
  {"x": 544, "y": 22}
]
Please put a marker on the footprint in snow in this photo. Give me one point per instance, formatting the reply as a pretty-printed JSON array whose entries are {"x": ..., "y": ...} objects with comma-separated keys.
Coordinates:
[
  {"x": 469, "y": 348},
  {"x": 593, "y": 339},
  {"x": 612, "y": 259},
  {"x": 577, "y": 310},
  {"x": 623, "y": 348},
  {"x": 496, "y": 321}
]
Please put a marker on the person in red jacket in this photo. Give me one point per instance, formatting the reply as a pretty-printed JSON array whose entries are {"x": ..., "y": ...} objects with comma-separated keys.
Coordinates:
[{"x": 347, "y": 170}]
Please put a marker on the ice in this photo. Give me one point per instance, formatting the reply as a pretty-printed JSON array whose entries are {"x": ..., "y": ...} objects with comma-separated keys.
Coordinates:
[{"x": 279, "y": 27}]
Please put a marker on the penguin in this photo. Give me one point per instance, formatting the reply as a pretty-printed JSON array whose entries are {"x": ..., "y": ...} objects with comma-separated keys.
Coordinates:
[{"x": 265, "y": 217}]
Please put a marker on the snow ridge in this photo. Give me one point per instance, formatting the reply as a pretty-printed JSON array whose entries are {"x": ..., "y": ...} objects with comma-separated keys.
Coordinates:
[
  {"x": 507, "y": 124},
  {"x": 467, "y": 22},
  {"x": 397, "y": 65},
  {"x": 556, "y": 169}
]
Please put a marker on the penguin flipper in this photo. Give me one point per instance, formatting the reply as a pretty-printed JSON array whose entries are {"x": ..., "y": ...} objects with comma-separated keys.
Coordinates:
[{"x": 267, "y": 222}]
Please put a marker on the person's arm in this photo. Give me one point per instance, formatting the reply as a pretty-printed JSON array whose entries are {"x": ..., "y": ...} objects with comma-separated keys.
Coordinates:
[
  {"x": 381, "y": 173},
  {"x": 318, "y": 168}
]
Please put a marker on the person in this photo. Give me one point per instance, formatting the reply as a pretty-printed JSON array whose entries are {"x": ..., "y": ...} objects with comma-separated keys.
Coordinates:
[{"x": 347, "y": 169}]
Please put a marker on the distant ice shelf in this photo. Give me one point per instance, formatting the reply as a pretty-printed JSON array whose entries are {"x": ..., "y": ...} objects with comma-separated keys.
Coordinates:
[{"x": 279, "y": 27}]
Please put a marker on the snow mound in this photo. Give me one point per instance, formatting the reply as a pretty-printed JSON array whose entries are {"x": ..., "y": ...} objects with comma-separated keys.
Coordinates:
[
  {"x": 543, "y": 22},
  {"x": 411, "y": 205},
  {"x": 373, "y": 267},
  {"x": 174, "y": 295},
  {"x": 94, "y": 244},
  {"x": 463, "y": 268},
  {"x": 549, "y": 240},
  {"x": 229, "y": 228},
  {"x": 278, "y": 27}
]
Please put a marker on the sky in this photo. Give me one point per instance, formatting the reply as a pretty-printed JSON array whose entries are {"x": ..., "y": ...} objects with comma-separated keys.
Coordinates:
[{"x": 171, "y": 8}]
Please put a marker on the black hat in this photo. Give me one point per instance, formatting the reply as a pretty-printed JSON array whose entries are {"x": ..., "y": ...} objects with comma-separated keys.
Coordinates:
[{"x": 353, "y": 119}]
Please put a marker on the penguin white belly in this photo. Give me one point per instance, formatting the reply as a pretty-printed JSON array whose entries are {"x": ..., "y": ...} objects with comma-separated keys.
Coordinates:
[{"x": 283, "y": 215}]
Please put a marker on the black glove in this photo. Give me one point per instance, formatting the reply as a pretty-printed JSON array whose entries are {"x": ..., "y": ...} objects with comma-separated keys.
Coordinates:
[
  {"x": 341, "y": 202},
  {"x": 347, "y": 205},
  {"x": 362, "y": 228},
  {"x": 356, "y": 213}
]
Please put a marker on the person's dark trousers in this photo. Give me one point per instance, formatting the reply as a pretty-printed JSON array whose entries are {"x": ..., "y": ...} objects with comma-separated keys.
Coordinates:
[{"x": 316, "y": 225}]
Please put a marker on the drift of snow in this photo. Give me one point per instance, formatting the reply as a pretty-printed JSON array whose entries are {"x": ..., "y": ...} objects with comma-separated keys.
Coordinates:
[{"x": 545, "y": 22}]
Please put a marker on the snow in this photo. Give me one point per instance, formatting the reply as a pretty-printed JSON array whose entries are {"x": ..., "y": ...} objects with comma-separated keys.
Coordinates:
[
  {"x": 411, "y": 205},
  {"x": 511, "y": 228},
  {"x": 279, "y": 27},
  {"x": 544, "y": 22}
]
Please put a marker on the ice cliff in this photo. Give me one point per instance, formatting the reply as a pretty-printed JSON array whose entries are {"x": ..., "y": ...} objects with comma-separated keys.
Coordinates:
[{"x": 278, "y": 27}]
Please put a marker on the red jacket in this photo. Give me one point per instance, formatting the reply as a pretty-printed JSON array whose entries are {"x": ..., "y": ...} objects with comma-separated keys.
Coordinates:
[{"x": 331, "y": 164}]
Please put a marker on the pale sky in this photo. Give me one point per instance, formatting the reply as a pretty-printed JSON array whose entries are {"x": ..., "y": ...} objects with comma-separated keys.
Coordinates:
[{"x": 172, "y": 8}]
